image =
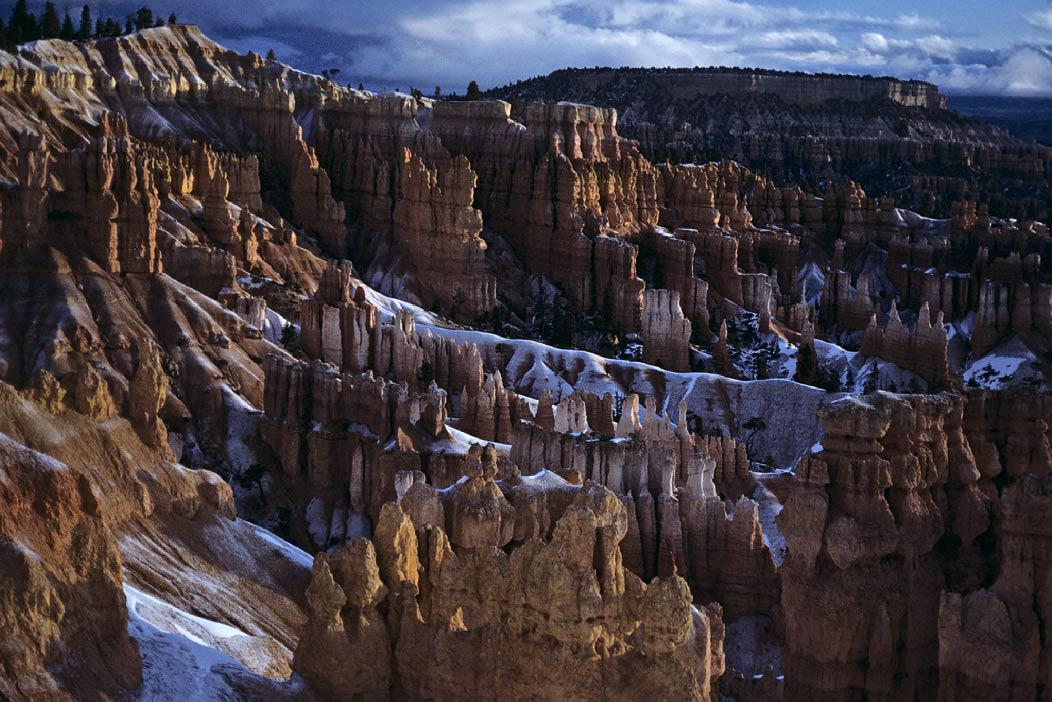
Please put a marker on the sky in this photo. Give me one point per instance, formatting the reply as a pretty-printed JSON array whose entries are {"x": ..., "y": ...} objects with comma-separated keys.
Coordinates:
[{"x": 992, "y": 47}]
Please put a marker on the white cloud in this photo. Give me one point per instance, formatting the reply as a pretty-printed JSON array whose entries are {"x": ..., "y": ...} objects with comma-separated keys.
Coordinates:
[
  {"x": 937, "y": 46},
  {"x": 401, "y": 43},
  {"x": 1024, "y": 72},
  {"x": 875, "y": 42},
  {"x": 1042, "y": 19},
  {"x": 806, "y": 40}
]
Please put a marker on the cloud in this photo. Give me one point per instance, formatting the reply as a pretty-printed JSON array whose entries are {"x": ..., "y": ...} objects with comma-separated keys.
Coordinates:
[
  {"x": 1024, "y": 71},
  {"x": 404, "y": 43},
  {"x": 803, "y": 40},
  {"x": 875, "y": 42},
  {"x": 1042, "y": 19}
]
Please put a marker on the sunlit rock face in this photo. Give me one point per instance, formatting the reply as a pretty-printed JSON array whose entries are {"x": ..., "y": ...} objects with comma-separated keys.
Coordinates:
[
  {"x": 558, "y": 421},
  {"x": 553, "y": 619}
]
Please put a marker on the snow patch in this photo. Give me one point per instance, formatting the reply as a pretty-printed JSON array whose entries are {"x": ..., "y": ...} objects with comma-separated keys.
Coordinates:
[
  {"x": 291, "y": 552},
  {"x": 768, "y": 510},
  {"x": 1010, "y": 364}
]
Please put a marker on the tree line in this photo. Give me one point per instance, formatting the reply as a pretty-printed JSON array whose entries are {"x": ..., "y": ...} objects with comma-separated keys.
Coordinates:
[{"x": 23, "y": 26}]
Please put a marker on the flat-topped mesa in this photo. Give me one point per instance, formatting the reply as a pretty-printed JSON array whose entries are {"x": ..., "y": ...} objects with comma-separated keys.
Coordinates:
[
  {"x": 793, "y": 88},
  {"x": 922, "y": 350},
  {"x": 819, "y": 127},
  {"x": 541, "y": 620}
]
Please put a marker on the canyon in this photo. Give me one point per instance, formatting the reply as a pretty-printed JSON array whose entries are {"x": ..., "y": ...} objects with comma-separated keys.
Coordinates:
[
  {"x": 313, "y": 393},
  {"x": 814, "y": 129}
]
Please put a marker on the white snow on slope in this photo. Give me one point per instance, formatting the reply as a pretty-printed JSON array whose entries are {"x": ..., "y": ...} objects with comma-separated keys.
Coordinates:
[
  {"x": 288, "y": 550},
  {"x": 181, "y": 657},
  {"x": 1008, "y": 365},
  {"x": 274, "y": 325},
  {"x": 768, "y": 509},
  {"x": 461, "y": 441}
]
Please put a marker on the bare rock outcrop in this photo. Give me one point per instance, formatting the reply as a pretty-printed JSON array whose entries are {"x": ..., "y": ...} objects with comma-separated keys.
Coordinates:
[
  {"x": 861, "y": 585},
  {"x": 922, "y": 350},
  {"x": 555, "y": 619},
  {"x": 665, "y": 331},
  {"x": 63, "y": 615}
]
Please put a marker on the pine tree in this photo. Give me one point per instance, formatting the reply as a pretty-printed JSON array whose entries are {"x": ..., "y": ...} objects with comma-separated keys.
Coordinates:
[
  {"x": 474, "y": 93},
  {"x": 172, "y": 20},
  {"x": 755, "y": 425},
  {"x": 4, "y": 37},
  {"x": 129, "y": 24},
  {"x": 50, "y": 24},
  {"x": 100, "y": 28},
  {"x": 22, "y": 24},
  {"x": 85, "y": 24},
  {"x": 271, "y": 56},
  {"x": 159, "y": 22},
  {"x": 253, "y": 475},
  {"x": 806, "y": 364},
  {"x": 143, "y": 18},
  {"x": 68, "y": 33}
]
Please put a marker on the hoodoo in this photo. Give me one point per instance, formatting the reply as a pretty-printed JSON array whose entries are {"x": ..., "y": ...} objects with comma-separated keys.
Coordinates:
[{"x": 646, "y": 384}]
